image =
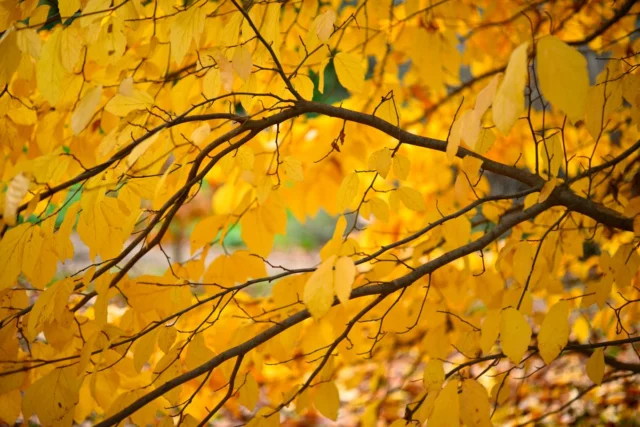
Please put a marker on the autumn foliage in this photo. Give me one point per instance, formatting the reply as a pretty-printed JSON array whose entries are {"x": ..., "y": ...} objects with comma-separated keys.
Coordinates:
[{"x": 480, "y": 161}]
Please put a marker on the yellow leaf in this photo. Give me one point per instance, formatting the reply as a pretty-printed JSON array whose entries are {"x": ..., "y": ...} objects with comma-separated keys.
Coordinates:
[
  {"x": 475, "y": 408},
  {"x": 68, "y": 7},
  {"x": 53, "y": 397},
  {"x": 344, "y": 276},
  {"x": 500, "y": 393},
  {"x": 85, "y": 109},
  {"x": 433, "y": 376},
  {"x": 91, "y": 9},
  {"x": 453, "y": 142},
  {"x": 50, "y": 305},
  {"x": 470, "y": 128},
  {"x": 70, "y": 48},
  {"x": 242, "y": 62},
  {"x": 198, "y": 353},
  {"x": 260, "y": 225},
  {"x": 121, "y": 105},
  {"x": 401, "y": 166},
  {"x": 485, "y": 97},
  {"x": 249, "y": 393},
  {"x": 10, "y": 406},
  {"x": 547, "y": 189},
  {"x": 324, "y": 25},
  {"x": 380, "y": 161},
  {"x": 509, "y": 100},
  {"x": 348, "y": 191},
  {"x": 323, "y": 65},
  {"x": 600, "y": 105},
  {"x": 199, "y": 134},
  {"x": 457, "y": 232},
  {"x": 23, "y": 116},
  {"x": 263, "y": 188},
  {"x": 263, "y": 419},
  {"x": 515, "y": 334},
  {"x": 303, "y": 85},
  {"x": 293, "y": 168},
  {"x": 211, "y": 83},
  {"x": 50, "y": 73},
  {"x": 379, "y": 208},
  {"x": 522, "y": 262},
  {"x": 595, "y": 366},
  {"x": 17, "y": 189},
  {"x": 350, "y": 71},
  {"x": 486, "y": 139},
  {"x": 411, "y": 198},
  {"x": 490, "y": 331},
  {"x": 563, "y": 75},
  {"x": 446, "y": 410},
  {"x": 166, "y": 337},
  {"x": 144, "y": 348},
  {"x": 554, "y": 332},
  {"x": 327, "y": 400},
  {"x": 10, "y": 54},
  {"x": 186, "y": 27},
  {"x": 552, "y": 154},
  {"x": 581, "y": 329},
  {"x": 245, "y": 158},
  {"x": 318, "y": 292}
]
